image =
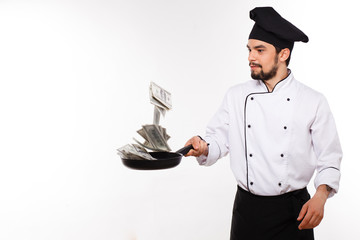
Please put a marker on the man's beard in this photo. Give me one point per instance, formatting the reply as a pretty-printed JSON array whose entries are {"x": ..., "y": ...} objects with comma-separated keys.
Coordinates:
[{"x": 265, "y": 75}]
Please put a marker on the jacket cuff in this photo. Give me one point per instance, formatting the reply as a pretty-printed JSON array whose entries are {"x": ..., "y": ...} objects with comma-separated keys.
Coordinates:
[
  {"x": 213, "y": 153},
  {"x": 329, "y": 176}
]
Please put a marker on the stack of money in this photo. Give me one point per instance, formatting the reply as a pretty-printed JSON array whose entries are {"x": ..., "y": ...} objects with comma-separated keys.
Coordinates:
[
  {"x": 135, "y": 152},
  {"x": 155, "y": 139},
  {"x": 154, "y": 135},
  {"x": 161, "y": 99}
]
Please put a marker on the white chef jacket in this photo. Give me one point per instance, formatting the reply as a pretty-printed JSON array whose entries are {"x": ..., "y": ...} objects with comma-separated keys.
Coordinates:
[{"x": 276, "y": 140}]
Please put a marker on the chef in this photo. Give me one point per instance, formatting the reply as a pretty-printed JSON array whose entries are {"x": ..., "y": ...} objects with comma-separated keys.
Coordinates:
[{"x": 278, "y": 133}]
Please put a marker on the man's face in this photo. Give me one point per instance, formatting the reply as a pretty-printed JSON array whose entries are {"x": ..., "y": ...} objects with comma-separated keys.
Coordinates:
[{"x": 263, "y": 60}]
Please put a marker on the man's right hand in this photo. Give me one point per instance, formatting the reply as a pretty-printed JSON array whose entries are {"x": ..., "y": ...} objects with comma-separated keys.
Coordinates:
[{"x": 200, "y": 147}]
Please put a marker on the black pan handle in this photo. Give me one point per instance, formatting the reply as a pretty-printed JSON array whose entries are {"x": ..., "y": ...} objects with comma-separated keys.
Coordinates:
[{"x": 185, "y": 149}]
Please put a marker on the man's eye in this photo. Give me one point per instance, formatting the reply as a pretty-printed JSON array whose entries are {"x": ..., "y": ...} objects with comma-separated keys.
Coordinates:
[{"x": 260, "y": 50}]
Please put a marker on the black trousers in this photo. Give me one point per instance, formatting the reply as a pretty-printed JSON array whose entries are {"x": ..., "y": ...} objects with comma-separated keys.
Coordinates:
[{"x": 267, "y": 218}]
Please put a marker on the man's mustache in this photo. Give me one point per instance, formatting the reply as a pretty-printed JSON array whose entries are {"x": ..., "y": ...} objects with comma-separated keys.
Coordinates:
[{"x": 255, "y": 65}]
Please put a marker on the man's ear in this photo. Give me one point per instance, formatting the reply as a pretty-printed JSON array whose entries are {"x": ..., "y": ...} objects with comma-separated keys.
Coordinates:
[{"x": 284, "y": 54}]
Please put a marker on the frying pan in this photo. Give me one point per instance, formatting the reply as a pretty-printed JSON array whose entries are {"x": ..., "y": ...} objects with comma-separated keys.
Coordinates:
[{"x": 163, "y": 160}]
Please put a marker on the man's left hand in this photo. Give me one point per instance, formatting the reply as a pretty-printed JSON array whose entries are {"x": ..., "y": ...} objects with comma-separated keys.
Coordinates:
[{"x": 312, "y": 212}]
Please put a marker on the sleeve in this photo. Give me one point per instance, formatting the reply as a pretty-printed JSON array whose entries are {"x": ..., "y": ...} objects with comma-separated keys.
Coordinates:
[
  {"x": 217, "y": 135},
  {"x": 327, "y": 148}
]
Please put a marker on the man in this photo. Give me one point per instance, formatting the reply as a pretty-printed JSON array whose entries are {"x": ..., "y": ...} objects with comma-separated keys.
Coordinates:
[{"x": 278, "y": 132}]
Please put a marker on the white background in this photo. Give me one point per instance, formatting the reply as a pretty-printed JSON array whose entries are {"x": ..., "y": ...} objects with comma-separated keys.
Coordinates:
[{"x": 74, "y": 88}]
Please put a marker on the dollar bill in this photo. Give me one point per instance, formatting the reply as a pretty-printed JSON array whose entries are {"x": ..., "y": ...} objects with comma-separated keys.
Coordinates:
[
  {"x": 157, "y": 103},
  {"x": 155, "y": 137},
  {"x": 146, "y": 145},
  {"x": 156, "y": 119},
  {"x": 162, "y": 111},
  {"x": 142, "y": 151},
  {"x": 134, "y": 152},
  {"x": 142, "y": 133},
  {"x": 164, "y": 134},
  {"x": 162, "y": 130},
  {"x": 160, "y": 97}
]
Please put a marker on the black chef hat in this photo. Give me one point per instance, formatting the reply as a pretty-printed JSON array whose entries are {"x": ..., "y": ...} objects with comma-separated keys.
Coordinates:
[{"x": 270, "y": 27}]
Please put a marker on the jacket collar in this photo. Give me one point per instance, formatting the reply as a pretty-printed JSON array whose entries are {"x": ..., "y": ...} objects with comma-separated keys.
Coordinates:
[{"x": 281, "y": 84}]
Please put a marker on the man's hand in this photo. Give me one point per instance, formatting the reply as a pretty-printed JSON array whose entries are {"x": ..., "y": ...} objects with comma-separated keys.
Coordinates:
[
  {"x": 312, "y": 212},
  {"x": 200, "y": 147}
]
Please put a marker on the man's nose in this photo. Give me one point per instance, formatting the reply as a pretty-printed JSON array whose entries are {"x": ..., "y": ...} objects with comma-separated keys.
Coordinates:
[{"x": 251, "y": 56}]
